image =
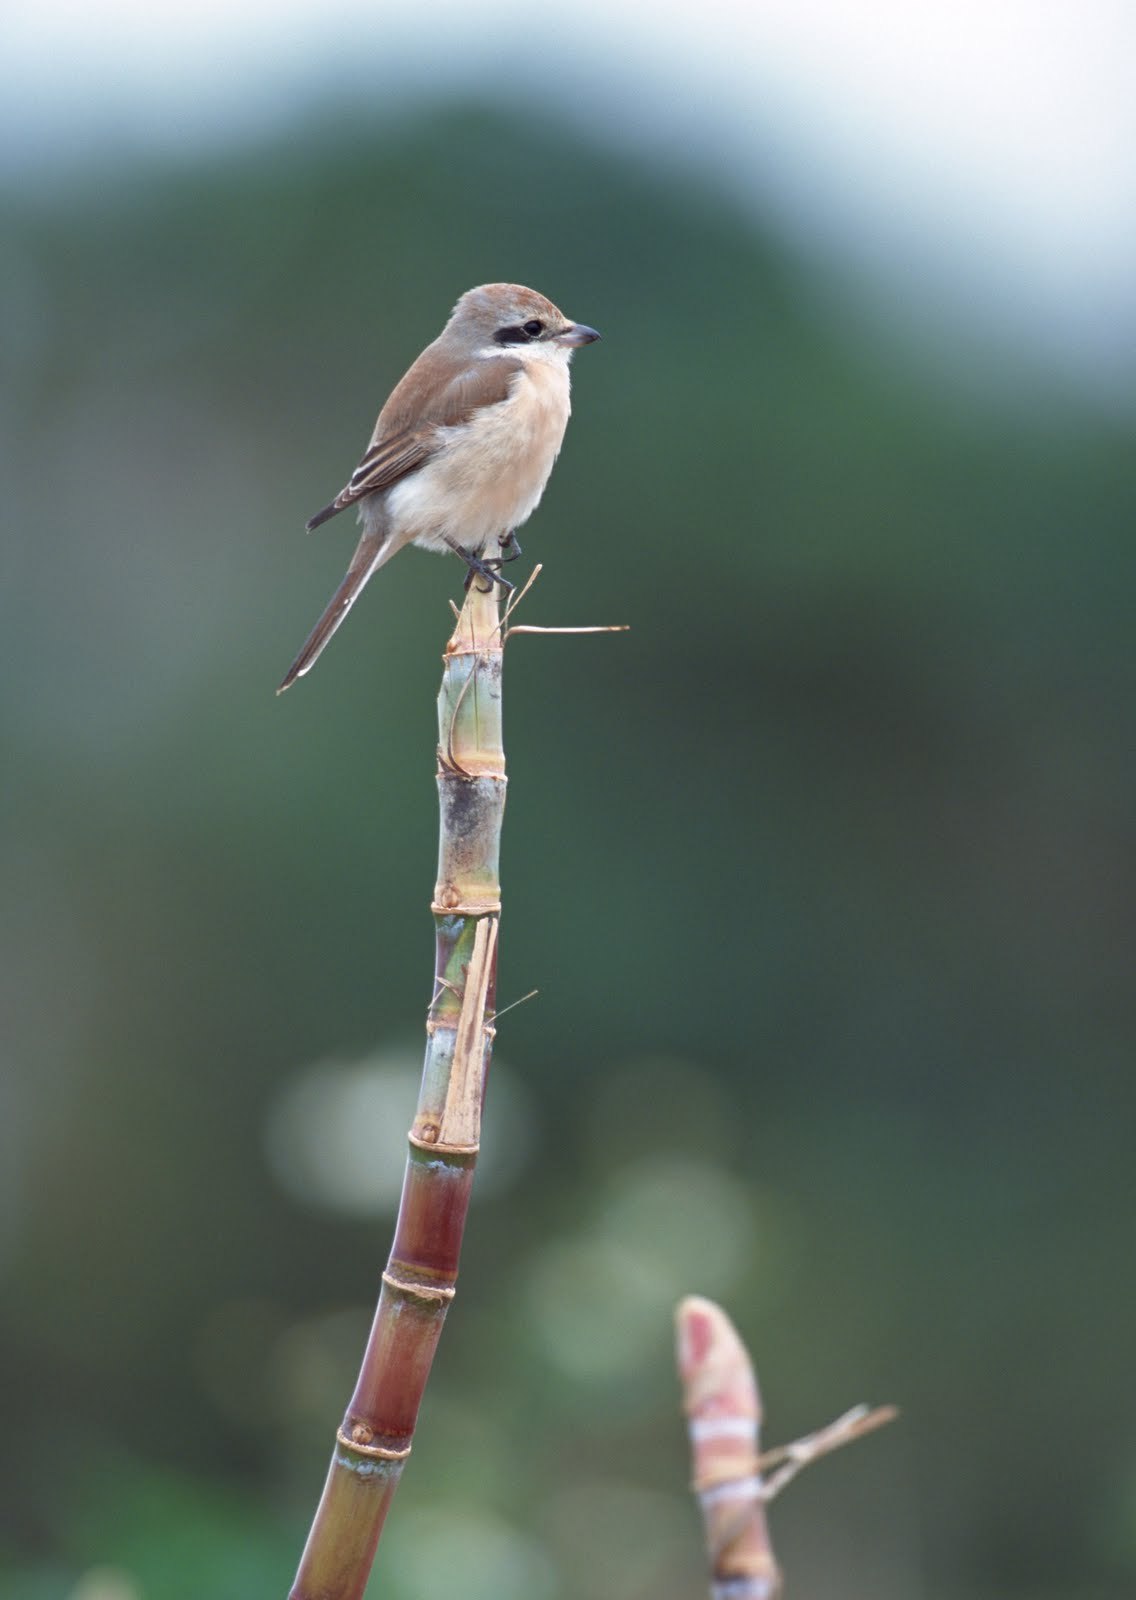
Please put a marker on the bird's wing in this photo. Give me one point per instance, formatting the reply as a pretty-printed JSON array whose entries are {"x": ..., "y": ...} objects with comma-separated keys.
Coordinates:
[{"x": 406, "y": 433}]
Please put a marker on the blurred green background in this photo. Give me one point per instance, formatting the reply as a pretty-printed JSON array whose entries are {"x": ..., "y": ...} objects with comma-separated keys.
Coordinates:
[{"x": 824, "y": 872}]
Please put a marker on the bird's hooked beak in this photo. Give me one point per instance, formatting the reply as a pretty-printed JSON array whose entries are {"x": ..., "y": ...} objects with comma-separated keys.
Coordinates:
[{"x": 577, "y": 334}]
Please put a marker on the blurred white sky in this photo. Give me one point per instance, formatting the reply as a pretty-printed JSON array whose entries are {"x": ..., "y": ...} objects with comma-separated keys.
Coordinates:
[{"x": 981, "y": 150}]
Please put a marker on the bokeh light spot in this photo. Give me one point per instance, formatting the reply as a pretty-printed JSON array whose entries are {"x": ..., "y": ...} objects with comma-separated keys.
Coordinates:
[
  {"x": 640, "y": 1543},
  {"x": 449, "y": 1550},
  {"x": 665, "y": 1228},
  {"x": 336, "y": 1136},
  {"x": 596, "y": 1308},
  {"x": 691, "y": 1224},
  {"x": 106, "y": 1583}
]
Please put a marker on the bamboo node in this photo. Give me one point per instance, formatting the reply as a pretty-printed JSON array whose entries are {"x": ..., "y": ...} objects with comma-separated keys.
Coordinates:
[
  {"x": 448, "y": 902},
  {"x": 434, "y": 1294},
  {"x": 743, "y": 1471},
  {"x": 441, "y": 1147},
  {"x": 376, "y": 1452},
  {"x": 713, "y": 1494},
  {"x": 750, "y": 1586},
  {"x": 756, "y": 1577}
]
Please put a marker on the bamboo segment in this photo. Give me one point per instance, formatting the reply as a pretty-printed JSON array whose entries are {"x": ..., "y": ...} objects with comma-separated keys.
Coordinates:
[{"x": 374, "y": 1440}]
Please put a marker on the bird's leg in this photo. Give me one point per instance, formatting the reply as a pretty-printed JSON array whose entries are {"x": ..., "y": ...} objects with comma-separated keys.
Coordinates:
[{"x": 479, "y": 568}]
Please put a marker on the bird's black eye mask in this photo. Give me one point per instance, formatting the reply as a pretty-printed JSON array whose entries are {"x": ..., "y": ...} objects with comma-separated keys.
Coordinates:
[{"x": 522, "y": 335}]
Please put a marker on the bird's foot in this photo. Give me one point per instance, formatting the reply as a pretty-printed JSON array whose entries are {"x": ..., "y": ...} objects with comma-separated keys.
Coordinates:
[
  {"x": 480, "y": 568},
  {"x": 510, "y": 543}
]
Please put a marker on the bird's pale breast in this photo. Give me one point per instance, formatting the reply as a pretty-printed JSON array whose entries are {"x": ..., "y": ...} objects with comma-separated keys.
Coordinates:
[{"x": 490, "y": 472}]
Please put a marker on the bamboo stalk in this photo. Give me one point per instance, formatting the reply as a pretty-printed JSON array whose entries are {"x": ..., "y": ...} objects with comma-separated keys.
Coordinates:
[
  {"x": 732, "y": 1480},
  {"x": 723, "y": 1408},
  {"x": 374, "y": 1439}
]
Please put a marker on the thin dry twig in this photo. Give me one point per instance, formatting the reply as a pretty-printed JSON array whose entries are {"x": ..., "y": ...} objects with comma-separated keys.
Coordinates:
[
  {"x": 605, "y": 627},
  {"x": 514, "y": 601},
  {"x": 532, "y": 994},
  {"x": 796, "y": 1456}
]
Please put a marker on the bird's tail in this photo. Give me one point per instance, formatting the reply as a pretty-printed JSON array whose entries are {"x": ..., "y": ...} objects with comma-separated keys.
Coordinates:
[{"x": 373, "y": 550}]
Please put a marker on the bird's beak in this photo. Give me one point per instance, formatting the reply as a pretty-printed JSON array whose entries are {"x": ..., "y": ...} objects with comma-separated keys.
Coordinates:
[{"x": 577, "y": 334}]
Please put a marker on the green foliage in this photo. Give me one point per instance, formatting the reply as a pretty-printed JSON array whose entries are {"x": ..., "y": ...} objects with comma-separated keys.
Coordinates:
[{"x": 167, "y": 1535}]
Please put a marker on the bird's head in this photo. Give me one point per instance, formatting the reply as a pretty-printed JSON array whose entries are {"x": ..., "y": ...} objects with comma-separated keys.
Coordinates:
[{"x": 513, "y": 318}]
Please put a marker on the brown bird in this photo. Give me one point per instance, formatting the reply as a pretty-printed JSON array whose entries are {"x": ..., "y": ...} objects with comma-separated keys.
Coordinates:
[{"x": 464, "y": 446}]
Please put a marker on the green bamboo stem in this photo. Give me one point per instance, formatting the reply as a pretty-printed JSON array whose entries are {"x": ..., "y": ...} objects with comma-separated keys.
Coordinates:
[{"x": 374, "y": 1439}]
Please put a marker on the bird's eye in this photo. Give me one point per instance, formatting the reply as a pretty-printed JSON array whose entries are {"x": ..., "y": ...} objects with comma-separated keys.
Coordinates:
[{"x": 534, "y": 328}]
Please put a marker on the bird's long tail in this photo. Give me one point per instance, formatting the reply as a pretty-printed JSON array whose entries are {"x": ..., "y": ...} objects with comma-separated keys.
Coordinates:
[{"x": 373, "y": 550}]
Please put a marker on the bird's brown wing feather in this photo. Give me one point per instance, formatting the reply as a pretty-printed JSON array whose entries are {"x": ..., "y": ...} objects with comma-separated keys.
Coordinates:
[{"x": 406, "y": 433}]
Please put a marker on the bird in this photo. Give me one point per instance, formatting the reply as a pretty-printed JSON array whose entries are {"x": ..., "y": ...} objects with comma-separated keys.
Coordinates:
[{"x": 464, "y": 446}]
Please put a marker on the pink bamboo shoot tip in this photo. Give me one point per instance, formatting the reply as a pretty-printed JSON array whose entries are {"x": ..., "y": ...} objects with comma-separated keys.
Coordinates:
[{"x": 723, "y": 1408}]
